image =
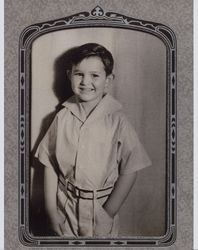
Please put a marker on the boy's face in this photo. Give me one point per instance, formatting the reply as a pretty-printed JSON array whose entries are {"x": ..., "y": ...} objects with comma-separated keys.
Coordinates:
[{"x": 88, "y": 79}]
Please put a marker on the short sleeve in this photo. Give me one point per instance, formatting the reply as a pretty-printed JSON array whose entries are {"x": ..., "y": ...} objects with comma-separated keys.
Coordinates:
[
  {"x": 133, "y": 156},
  {"x": 46, "y": 149}
]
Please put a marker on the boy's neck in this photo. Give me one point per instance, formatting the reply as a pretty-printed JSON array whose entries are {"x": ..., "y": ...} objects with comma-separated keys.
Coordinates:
[{"x": 89, "y": 106}]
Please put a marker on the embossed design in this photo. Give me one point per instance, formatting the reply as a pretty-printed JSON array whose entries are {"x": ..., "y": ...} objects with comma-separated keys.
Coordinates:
[
  {"x": 22, "y": 144},
  {"x": 173, "y": 191},
  {"x": 22, "y": 190},
  {"x": 97, "y": 11},
  {"x": 22, "y": 80},
  {"x": 173, "y": 80},
  {"x": 173, "y": 133},
  {"x": 26, "y": 239},
  {"x": 119, "y": 242},
  {"x": 169, "y": 239},
  {"x": 97, "y": 17},
  {"x": 77, "y": 242}
]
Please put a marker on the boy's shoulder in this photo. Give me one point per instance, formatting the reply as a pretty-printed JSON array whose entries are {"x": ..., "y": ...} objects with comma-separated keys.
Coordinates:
[
  {"x": 117, "y": 111},
  {"x": 121, "y": 116}
]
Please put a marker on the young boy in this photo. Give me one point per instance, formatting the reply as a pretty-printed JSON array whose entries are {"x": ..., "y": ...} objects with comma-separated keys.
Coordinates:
[{"x": 91, "y": 153}]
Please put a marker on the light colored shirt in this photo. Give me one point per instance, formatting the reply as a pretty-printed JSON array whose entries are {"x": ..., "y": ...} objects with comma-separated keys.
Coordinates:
[{"x": 93, "y": 151}]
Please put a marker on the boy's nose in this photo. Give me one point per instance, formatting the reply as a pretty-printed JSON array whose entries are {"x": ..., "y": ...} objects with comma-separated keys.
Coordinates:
[{"x": 86, "y": 80}]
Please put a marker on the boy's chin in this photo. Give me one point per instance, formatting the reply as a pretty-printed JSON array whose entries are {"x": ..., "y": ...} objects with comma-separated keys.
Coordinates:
[{"x": 89, "y": 98}]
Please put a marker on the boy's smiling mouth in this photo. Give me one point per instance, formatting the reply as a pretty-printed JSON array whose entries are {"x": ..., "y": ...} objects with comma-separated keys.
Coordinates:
[{"x": 86, "y": 89}]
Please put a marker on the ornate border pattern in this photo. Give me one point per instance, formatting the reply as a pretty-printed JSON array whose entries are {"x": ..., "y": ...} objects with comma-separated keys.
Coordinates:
[{"x": 96, "y": 18}]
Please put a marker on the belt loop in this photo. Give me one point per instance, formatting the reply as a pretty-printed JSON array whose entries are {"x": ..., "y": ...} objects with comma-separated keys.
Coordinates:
[
  {"x": 66, "y": 182},
  {"x": 77, "y": 192}
]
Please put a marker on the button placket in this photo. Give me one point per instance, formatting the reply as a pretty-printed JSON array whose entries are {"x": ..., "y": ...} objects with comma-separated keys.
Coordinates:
[{"x": 80, "y": 148}]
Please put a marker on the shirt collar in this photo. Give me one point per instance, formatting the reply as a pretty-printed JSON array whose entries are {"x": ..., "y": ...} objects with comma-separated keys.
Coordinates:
[{"x": 106, "y": 106}]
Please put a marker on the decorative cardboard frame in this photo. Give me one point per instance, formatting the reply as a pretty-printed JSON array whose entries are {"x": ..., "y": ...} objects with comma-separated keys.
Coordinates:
[{"x": 96, "y": 18}]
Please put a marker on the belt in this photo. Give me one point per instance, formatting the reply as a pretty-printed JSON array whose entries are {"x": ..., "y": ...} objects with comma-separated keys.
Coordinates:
[{"x": 77, "y": 192}]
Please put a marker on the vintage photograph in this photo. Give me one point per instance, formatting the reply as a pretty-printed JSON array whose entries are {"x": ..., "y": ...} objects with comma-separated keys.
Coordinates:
[
  {"x": 98, "y": 134},
  {"x": 98, "y": 124}
]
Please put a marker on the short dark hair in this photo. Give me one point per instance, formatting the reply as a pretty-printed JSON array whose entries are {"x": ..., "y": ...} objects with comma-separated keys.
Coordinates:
[{"x": 90, "y": 50}]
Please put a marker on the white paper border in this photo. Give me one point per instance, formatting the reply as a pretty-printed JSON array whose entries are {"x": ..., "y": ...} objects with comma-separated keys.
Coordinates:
[
  {"x": 195, "y": 125},
  {"x": 2, "y": 124}
]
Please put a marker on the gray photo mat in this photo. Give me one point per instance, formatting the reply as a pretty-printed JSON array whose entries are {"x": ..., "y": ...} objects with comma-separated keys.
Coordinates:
[
  {"x": 96, "y": 18},
  {"x": 16, "y": 203}
]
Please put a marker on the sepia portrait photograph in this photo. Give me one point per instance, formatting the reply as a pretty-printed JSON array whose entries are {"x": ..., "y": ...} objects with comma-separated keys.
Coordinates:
[{"x": 96, "y": 148}]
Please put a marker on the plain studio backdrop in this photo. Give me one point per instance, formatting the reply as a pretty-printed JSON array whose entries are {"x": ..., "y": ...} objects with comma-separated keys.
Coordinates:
[{"x": 139, "y": 84}]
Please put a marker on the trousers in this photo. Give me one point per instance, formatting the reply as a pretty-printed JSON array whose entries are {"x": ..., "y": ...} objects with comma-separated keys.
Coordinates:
[{"x": 84, "y": 213}]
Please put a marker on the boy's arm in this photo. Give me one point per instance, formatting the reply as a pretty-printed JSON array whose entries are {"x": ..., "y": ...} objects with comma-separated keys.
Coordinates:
[
  {"x": 119, "y": 193},
  {"x": 132, "y": 158},
  {"x": 50, "y": 190}
]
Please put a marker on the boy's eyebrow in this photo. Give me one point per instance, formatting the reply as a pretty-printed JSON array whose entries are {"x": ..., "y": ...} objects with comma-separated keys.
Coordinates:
[
  {"x": 93, "y": 71},
  {"x": 76, "y": 70}
]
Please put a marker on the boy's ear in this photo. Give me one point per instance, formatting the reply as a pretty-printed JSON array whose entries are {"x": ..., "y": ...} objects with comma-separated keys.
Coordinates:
[
  {"x": 69, "y": 73},
  {"x": 109, "y": 78}
]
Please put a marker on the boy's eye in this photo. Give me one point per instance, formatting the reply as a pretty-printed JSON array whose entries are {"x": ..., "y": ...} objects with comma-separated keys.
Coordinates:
[
  {"x": 95, "y": 75},
  {"x": 78, "y": 74}
]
